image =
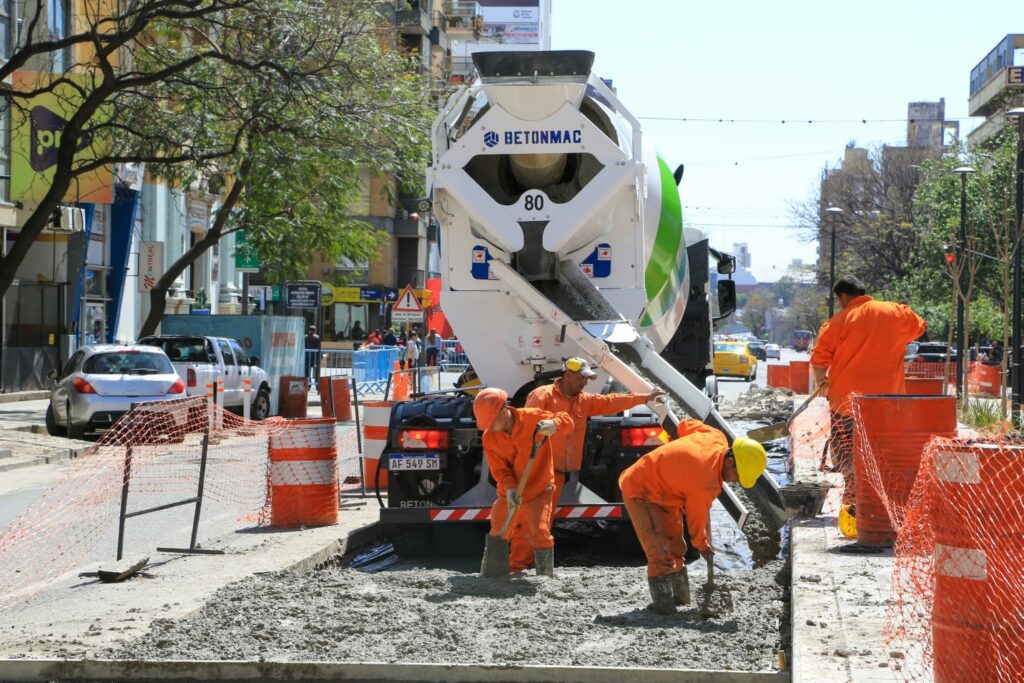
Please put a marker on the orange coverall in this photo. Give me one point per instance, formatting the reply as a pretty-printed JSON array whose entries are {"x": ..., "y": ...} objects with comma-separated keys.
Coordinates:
[
  {"x": 863, "y": 347},
  {"x": 683, "y": 475},
  {"x": 507, "y": 455},
  {"x": 567, "y": 449}
]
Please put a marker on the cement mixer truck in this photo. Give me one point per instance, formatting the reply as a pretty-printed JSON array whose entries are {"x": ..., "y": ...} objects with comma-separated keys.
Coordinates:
[{"x": 560, "y": 235}]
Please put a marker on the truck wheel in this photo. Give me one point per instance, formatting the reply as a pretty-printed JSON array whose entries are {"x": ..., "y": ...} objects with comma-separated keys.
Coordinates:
[
  {"x": 51, "y": 423},
  {"x": 261, "y": 405}
]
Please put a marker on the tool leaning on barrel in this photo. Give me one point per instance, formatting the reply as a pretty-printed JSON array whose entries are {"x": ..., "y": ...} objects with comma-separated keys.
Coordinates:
[
  {"x": 523, "y": 469},
  {"x": 683, "y": 476}
]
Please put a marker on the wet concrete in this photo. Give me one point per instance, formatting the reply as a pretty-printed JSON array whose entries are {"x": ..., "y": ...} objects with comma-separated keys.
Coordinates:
[{"x": 585, "y": 616}]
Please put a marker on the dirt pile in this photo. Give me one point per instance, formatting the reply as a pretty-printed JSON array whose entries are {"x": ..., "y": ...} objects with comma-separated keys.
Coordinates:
[
  {"x": 586, "y": 616},
  {"x": 759, "y": 403}
]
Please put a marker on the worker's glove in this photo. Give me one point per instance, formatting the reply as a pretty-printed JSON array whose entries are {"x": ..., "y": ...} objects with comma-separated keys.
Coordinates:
[
  {"x": 546, "y": 427},
  {"x": 513, "y": 497}
]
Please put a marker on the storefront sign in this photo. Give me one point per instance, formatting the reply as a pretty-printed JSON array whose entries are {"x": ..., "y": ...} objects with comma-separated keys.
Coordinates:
[
  {"x": 36, "y": 127},
  {"x": 151, "y": 265},
  {"x": 302, "y": 295}
]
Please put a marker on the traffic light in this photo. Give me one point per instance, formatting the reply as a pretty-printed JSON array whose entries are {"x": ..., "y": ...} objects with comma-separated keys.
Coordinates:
[{"x": 950, "y": 255}]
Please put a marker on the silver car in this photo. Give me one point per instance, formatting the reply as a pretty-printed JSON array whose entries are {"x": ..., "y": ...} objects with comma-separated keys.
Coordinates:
[
  {"x": 772, "y": 351},
  {"x": 100, "y": 383}
]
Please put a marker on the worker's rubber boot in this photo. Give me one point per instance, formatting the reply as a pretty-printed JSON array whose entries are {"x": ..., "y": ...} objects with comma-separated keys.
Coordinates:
[
  {"x": 681, "y": 587},
  {"x": 662, "y": 600},
  {"x": 544, "y": 561}
]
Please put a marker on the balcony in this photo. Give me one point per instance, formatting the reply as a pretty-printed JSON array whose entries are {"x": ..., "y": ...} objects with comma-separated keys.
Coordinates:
[
  {"x": 439, "y": 31},
  {"x": 465, "y": 19},
  {"x": 461, "y": 69},
  {"x": 413, "y": 20}
]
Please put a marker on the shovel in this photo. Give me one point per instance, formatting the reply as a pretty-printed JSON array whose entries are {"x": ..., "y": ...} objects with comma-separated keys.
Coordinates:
[
  {"x": 496, "y": 547},
  {"x": 781, "y": 429}
]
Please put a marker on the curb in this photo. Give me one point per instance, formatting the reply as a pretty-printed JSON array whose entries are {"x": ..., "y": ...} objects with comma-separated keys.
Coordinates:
[{"x": 24, "y": 396}]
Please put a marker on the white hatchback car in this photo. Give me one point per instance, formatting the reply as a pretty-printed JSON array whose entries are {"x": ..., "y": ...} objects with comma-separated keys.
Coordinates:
[
  {"x": 772, "y": 351},
  {"x": 100, "y": 383}
]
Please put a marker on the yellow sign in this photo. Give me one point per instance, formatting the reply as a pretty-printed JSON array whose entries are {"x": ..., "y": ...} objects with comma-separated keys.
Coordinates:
[
  {"x": 37, "y": 124},
  {"x": 346, "y": 295}
]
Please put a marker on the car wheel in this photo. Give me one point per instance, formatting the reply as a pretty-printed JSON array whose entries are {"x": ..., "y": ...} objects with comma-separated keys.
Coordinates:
[
  {"x": 261, "y": 405},
  {"x": 51, "y": 423},
  {"x": 76, "y": 432}
]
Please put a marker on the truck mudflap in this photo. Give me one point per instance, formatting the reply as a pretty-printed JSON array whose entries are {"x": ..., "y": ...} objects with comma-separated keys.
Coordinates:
[{"x": 613, "y": 511}]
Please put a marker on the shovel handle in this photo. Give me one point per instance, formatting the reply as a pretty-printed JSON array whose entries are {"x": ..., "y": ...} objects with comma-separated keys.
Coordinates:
[{"x": 803, "y": 406}]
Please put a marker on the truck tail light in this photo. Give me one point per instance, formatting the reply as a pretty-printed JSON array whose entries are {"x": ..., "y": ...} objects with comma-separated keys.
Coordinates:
[
  {"x": 178, "y": 387},
  {"x": 635, "y": 437},
  {"x": 81, "y": 386},
  {"x": 191, "y": 374},
  {"x": 433, "y": 439}
]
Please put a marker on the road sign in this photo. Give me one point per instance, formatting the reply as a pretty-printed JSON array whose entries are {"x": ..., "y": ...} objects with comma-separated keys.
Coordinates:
[
  {"x": 408, "y": 308},
  {"x": 302, "y": 295},
  {"x": 246, "y": 260}
]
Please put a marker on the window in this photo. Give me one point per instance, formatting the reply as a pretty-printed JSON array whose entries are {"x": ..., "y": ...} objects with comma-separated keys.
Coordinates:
[
  {"x": 6, "y": 29},
  {"x": 72, "y": 363},
  {"x": 243, "y": 359},
  {"x": 59, "y": 24},
  {"x": 128, "y": 363},
  {"x": 5, "y": 151},
  {"x": 225, "y": 350}
]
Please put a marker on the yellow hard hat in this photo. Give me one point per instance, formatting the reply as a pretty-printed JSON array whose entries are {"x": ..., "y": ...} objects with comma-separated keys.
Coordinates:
[
  {"x": 847, "y": 523},
  {"x": 750, "y": 460}
]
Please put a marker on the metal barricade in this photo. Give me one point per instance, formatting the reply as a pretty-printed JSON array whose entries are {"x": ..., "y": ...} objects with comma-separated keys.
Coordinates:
[
  {"x": 371, "y": 366},
  {"x": 453, "y": 357}
]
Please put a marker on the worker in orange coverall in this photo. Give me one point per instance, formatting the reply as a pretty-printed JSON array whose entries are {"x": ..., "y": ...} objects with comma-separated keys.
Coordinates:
[
  {"x": 860, "y": 350},
  {"x": 567, "y": 395},
  {"x": 683, "y": 475},
  {"x": 508, "y": 441}
]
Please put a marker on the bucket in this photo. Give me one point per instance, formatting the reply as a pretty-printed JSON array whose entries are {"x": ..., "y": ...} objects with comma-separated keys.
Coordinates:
[
  {"x": 376, "y": 418},
  {"x": 778, "y": 376},
  {"x": 924, "y": 386},
  {"x": 800, "y": 376},
  {"x": 304, "y": 475},
  {"x": 977, "y": 632},
  {"x": 897, "y": 429}
]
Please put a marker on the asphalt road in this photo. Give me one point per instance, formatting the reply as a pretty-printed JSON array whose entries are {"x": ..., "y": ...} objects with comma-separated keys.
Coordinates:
[{"x": 731, "y": 387}]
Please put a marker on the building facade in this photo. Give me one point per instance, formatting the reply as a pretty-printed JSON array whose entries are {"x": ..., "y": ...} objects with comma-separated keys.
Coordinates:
[{"x": 997, "y": 85}]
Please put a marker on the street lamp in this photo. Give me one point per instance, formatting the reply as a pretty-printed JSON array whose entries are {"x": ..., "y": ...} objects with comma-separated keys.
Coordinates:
[
  {"x": 834, "y": 211},
  {"x": 1016, "y": 379},
  {"x": 963, "y": 172}
]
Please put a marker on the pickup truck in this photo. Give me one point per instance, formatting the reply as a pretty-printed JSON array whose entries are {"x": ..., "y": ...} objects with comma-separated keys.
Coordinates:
[{"x": 199, "y": 359}]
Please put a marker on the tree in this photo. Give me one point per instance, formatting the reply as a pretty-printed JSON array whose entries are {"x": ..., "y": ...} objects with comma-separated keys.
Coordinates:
[{"x": 755, "y": 314}]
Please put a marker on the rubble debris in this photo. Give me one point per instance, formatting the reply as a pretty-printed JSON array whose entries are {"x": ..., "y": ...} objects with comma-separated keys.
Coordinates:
[{"x": 759, "y": 403}]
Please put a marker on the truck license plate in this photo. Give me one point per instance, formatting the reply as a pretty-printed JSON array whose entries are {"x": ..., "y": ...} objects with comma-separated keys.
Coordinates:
[{"x": 401, "y": 462}]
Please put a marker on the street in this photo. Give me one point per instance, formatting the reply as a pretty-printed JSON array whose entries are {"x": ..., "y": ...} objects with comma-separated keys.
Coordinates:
[{"x": 729, "y": 387}]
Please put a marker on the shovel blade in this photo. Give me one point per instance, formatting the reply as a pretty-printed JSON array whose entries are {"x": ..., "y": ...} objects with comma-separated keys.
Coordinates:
[
  {"x": 495, "y": 562},
  {"x": 770, "y": 432}
]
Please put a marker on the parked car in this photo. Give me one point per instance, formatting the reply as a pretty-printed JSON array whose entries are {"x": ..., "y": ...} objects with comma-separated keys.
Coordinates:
[
  {"x": 201, "y": 359},
  {"x": 772, "y": 351},
  {"x": 757, "y": 348},
  {"x": 734, "y": 359},
  {"x": 100, "y": 383},
  {"x": 927, "y": 352}
]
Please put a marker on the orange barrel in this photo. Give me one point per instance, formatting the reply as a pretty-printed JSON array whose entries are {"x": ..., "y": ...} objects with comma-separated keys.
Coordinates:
[
  {"x": 800, "y": 376},
  {"x": 294, "y": 393},
  {"x": 334, "y": 398},
  {"x": 977, "y": 631},
  {"x": 989, "y": 379},
  {"x": 897, "y": 429},
  {"x": 304, "y": 475},
  {"x": 778, "y": 376},
  {"x": 924, "y": 386},
  {"x": 376, "y": 417}
]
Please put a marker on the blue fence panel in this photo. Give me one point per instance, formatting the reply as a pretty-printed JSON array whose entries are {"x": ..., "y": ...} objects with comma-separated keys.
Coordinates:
[{"x": 453, "y": 357}]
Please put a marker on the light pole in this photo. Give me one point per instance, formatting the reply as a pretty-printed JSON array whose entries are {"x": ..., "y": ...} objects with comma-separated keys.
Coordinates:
[
  {"x": 1016, "y": 380},
  {"x": 963, "y": 172},
  {"x": 834, "y": 212}
]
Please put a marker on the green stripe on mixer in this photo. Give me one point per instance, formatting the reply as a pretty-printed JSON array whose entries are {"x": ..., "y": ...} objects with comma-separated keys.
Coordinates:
[{"x": 667, "y": 267}]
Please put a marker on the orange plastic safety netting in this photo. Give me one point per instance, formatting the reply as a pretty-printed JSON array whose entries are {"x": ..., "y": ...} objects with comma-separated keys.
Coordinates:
[{"x": 279, "y": 472}]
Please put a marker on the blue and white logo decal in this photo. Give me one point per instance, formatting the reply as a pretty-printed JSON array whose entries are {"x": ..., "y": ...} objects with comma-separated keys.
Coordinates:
[{"x": 490, "y": 138}]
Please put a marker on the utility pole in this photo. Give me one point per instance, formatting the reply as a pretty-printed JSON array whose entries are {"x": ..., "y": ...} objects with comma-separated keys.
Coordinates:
[
  {"x": 834, "y": 212},
  {"x": 1016, "y": 380},
  {"x": 963, "y": 172}
]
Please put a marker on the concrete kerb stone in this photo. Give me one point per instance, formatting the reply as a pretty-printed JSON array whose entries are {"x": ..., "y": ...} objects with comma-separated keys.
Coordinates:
[
  {"x": 123, "y": 670},
  {"x": 24, "y": 396}
]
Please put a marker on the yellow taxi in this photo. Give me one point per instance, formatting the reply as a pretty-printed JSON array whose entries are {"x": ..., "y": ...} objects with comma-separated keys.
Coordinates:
[{"x": 734, "y": 359}]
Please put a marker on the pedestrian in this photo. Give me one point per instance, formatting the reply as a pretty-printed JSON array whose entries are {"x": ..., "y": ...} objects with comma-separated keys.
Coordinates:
[
  {"x": 567, "y": 395},
  {"x": 389, "y": 338},
  {"x": 683, "y": 476},
  {"x": 860, "y": 350},
  {"x": 508, "y": 442},
  {"x": 411, "y": 354},
  {"x": 432, "y": 345},
  {"x": 357, "y": 333},
  {"x": 313, "y": 357},
  {"x": 373, "y": 338}
]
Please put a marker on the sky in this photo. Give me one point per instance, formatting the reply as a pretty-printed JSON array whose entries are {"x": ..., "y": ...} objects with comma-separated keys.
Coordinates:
[{"x": 759, "y": 63}]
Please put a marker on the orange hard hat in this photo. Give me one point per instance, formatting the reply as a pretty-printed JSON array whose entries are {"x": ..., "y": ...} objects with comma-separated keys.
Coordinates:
[{"x": 487, "y": 405}]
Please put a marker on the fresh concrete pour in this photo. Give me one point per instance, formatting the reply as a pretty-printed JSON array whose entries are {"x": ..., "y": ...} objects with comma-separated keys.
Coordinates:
[{"x": 585, "y": 616}]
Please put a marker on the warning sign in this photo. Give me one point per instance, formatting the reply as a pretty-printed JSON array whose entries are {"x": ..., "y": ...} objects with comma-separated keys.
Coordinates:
[{"x": 408, "y": 308}]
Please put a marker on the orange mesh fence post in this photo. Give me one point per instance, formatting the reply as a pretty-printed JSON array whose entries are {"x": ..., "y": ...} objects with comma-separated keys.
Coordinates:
[
  {"x": 891, "y": 434},
  {"x": 376, "y": 418}
]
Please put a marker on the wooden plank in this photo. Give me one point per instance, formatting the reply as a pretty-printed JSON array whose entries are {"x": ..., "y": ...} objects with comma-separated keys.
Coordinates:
[{"x": 119, "y": 571}]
